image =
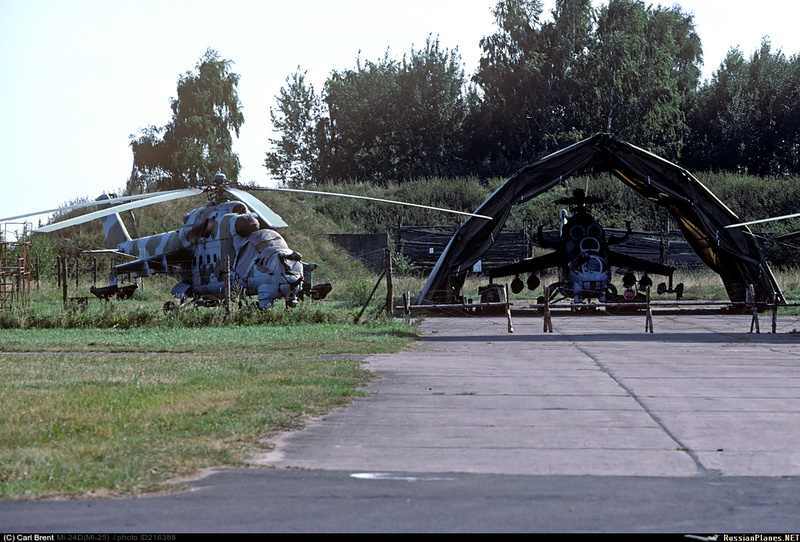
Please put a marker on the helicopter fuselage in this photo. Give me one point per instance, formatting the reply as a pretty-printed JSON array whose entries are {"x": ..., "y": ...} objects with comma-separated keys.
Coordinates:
[
  {"x": 584, "y": 260},
  {"x": 219, "y": 246},
  {"x": 585, "y": 272}
]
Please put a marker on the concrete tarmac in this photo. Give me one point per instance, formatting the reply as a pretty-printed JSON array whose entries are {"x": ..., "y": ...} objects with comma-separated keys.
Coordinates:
[
  {"x": 598, "y": 396},
  {"x": 596, "y": 427}
]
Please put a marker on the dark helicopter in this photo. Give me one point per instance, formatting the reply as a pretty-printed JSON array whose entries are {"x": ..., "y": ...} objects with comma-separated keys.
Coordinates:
[
  {"x": 584, "y": 260},
  {"x": 230, "y": 246}
]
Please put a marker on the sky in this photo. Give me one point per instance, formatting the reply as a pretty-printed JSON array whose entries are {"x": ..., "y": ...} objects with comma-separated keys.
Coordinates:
[{"x": 79, "y": 77}]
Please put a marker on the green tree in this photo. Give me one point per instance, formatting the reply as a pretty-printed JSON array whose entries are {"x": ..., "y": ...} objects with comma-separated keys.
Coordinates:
[
  {"x": 362, "y": 106},
  {"x": 512, "y": 117},
  {"x": 645, "y": 66},
  {"x": 746, "y": 117},
  {"x": 625, "y": 68},
  {"x": 396, "y": 120},
  {"x": 296, "y": 157},
  {"x": 197, "y": 142}
]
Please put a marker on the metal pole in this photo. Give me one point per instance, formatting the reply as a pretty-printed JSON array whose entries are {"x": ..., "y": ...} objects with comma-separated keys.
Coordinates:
[
  {"x": 508, "y": 311},
  {"x": 370, "y": 296}
]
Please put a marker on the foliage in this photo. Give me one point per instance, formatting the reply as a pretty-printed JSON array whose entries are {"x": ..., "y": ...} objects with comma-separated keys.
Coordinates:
[
  {"x": 296, "y": 159},
  {"x": 746, "y": 118},
  {"x": 625, "y": 68},
  {"x": 644, "y": 64},
  {"x": 546, "y": 85},
  {"x": 382, "y": 121},
  {"x": 359, "y": 216},
  {"x": 197, "y": 142}
]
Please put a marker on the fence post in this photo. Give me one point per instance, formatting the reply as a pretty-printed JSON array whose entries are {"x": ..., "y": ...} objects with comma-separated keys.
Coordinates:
[
  {"x": 389, "y": 285},
  {"x": 774, "y": 312},
  {"x": 63, "y": 273},
  {"x": 751, "y": 304},
  {"x": 227, "y": 284},
  {"x": 547, "y": 323}
]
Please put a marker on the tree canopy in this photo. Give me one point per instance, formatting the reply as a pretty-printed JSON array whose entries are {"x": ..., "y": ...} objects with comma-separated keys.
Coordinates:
[
  {"x": 626, "y": 67},
  {"x": 197, "y": 142},
  {"x": 381, "y": 121},
  {"x": 747, "y": 118}
]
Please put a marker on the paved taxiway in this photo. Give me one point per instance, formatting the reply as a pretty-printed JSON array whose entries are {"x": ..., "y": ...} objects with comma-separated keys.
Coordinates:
[
  {"x": 597, "y": 426},
  {"x": 598, "y": 396}
]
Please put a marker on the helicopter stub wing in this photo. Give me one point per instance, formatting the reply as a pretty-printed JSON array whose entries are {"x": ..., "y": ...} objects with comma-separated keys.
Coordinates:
[
  {"x": 165, "y": 196},
  {"x": 531, "y": 265},
  {"x": 617, "y": 259},
  {"x": 265, "y": 213},
  {"x": 159, "y": 263}
]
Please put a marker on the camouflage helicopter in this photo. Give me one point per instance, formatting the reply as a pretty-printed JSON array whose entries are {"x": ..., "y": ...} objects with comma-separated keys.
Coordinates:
[
  {"x": 584, "y": 260},
  {"x": 229, "y": 245}
]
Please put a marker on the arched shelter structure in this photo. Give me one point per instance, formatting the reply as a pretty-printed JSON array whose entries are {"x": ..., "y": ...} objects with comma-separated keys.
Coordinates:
[{"x": 733, "y": 253}]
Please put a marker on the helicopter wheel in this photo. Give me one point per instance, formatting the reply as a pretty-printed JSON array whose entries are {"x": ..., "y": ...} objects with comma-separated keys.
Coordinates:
[{"x": 169, "y": 307}]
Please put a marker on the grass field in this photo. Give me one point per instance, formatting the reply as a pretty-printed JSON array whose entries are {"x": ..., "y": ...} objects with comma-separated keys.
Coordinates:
[{"x": 120, "y": 399}]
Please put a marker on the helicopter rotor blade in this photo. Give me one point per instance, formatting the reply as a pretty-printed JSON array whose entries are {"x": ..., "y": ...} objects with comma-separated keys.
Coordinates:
[
  {"x": 161, "y": 197},
  {"x": 371, "y": 199},
  {"x": 268, "y": 215},
  {"x": 784, "y": 217},
  {"x": 86, "y": 204}
]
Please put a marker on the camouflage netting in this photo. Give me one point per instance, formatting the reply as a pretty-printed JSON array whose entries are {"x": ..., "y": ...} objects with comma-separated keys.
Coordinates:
[{"x": 732, "y": 253}]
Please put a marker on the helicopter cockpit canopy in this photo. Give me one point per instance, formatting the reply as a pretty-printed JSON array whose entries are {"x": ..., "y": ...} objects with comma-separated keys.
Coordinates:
[{"x": 269, "y": 251}]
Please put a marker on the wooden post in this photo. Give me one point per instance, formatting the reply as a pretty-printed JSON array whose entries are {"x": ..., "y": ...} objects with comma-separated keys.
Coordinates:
[
  {"x": 58, "y": 271},
  {"x": 227, "y": 284},
  {"x": 648, "y": 322},
  {"x": 407, "y": 306},
  {"x": 774, "y": 312},
  {"x": 547, "y": 323},
  {"x": 389, "y": 285},
  {"x": 63, "y": 272},
  {"x": 751, "y": 304},
  {"x": 372, "y": 293}
]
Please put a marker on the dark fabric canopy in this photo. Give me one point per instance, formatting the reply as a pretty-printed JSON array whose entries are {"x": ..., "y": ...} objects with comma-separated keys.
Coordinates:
[{"x": 733, "y": 253}]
